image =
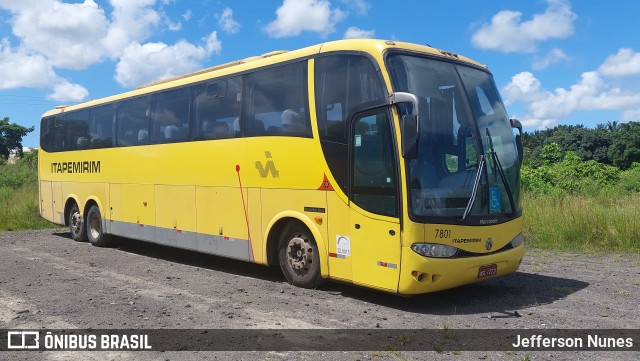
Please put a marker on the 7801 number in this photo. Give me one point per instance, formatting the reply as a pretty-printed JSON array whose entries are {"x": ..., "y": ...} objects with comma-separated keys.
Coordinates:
[{"x": 443, "y": 233}]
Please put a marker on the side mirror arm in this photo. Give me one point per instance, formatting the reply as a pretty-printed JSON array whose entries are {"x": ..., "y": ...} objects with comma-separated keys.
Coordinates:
[{"x": 409, "y": 125}]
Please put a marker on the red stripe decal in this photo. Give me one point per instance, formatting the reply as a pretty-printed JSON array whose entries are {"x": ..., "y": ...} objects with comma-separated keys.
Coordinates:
[{"x": 246, "y": 215}]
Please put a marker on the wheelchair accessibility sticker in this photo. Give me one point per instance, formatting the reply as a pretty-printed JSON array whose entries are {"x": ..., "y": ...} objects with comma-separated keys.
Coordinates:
[{"x": 494, "y": 200}]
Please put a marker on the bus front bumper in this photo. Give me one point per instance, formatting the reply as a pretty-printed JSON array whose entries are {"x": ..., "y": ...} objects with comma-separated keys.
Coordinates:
[{"x": 421, "y": 274}]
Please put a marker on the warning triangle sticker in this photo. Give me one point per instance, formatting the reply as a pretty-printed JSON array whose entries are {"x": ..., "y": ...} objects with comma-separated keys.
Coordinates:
[{"x": 326, "y": 185}]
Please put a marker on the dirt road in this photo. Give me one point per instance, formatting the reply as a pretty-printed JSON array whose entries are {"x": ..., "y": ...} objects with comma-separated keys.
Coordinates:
[{"x": 49, "y": 281}]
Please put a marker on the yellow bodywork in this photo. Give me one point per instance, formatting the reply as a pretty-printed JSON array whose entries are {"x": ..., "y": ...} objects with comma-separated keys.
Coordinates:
[{"x": 226, "y": 196}]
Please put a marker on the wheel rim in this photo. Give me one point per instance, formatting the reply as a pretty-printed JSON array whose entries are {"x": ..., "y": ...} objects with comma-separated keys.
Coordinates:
[
  {"x": 76, "y": 223},
  {"x": 299, "y": 254},
  {"x": 94, "y": 225}
]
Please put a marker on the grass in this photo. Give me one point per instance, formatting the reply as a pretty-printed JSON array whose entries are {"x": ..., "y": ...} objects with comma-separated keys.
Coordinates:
[
  {"x": 19, "y": 209},
  {"x": 592, "y": 224},
  {"x": 19, "y": 198}
]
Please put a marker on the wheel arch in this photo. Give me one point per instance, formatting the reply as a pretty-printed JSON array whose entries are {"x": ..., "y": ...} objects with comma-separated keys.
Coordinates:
[
  {"x": 91, "y": 201},
  {"x": 71, "y": 200},
  {"x": 274, "y": 230}
]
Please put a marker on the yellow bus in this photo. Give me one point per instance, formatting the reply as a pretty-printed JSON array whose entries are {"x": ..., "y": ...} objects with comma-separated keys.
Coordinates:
[{"x": 377, "y": 163}]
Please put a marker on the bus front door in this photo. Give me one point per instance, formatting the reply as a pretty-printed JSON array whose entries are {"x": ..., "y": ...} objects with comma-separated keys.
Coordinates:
[{"x": 375, "y": 226}]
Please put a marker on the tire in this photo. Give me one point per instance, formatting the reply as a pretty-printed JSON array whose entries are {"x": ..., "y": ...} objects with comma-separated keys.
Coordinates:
[
  {"x": 298, "y": 256},
  {"x": 76, "y": 224},
  {"x": 94, "y": 230}
]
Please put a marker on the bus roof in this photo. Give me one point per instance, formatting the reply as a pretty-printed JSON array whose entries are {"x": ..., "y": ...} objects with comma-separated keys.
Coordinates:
[{"x": 372, "y": 46}]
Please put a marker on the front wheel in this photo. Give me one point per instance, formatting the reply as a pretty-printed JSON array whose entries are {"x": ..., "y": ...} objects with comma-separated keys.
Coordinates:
[
  {"x": 298, "y": 257},
  {"x": 95, "y": 232},
  {"x": 76, "y": 224}
]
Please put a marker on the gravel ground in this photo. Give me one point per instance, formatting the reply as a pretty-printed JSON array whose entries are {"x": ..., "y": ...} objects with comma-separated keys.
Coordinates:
[{"x": 49, "y": 281}]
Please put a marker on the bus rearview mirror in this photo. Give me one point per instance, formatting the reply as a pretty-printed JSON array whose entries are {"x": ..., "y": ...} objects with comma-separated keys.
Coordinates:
[{"x": 515, "y": 124}]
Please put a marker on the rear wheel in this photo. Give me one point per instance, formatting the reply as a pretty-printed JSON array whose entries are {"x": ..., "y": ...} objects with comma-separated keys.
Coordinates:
[
  {"x": 95, "y": 232},
  {"x": 298, "y": 256},
  {"x": 76, "y": 225}
]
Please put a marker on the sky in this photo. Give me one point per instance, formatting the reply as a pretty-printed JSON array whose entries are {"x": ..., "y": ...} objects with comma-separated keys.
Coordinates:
[{"x": 555, "y": 61}]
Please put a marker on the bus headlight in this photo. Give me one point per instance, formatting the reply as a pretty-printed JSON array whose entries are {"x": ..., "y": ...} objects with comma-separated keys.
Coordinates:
[
  {"x": 518, "y": 240},
  {"x": 434, "y": 250}
]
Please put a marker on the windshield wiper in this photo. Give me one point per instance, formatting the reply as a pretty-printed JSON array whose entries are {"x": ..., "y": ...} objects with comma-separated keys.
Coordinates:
[
  {"x": 476, "y": 183},
  {"x": 496, "y": 161}
]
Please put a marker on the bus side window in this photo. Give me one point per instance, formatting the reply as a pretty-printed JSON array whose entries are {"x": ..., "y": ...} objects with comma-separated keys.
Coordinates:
[
  {"x": 77, "y": 126},
  {"x": 132, "y": 122},
  {"x": 46, "y": 133},
  {"x": 276, "y": 103},
  {"x": 217, "y": 108},
  {"x": 101, "y": 127},
  {"x": 170, "y": 116},
  {"x": 343, "y": 82}
]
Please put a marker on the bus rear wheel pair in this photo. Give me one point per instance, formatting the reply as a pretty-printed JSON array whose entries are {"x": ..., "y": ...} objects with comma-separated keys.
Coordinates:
[{"x": 89, "y": 229}]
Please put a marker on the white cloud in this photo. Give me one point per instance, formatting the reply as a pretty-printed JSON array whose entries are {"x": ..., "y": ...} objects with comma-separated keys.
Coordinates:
[
  {"x": 56, "y": 35},
  {"x": 554, "y": 56},
  {"x": 143, "y": 63},
  {"x": 187, "y": 15},
  {"x": 625, "y": 62},
  {"x": 18, "y": 70},
  {"x": 508, "y": 33},
  {"x": 546, "y": 107},
  {"x": 361, "y": 6},
  {"x": 357, "y": 33},
  {"x": 296, "y": 16},
  {"x": 212, "y": 44},
  {"x": 132, "y": 21},
  {"x": 171, "y": 25},
  {"x": 226, "y": 21},
  {"x": 69, "y": 44},
  {"x": 523, "y": 86},
  {"x": 66, "y": 91}
]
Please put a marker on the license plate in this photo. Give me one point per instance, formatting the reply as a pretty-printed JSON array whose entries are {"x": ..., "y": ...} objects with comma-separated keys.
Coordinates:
[{"x": 488, "y": 270}]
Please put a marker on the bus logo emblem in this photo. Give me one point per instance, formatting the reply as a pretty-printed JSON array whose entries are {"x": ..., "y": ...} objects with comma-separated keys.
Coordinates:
[
  {"x": 270, "y": 168},
  {"x": 489, "y": 244}
]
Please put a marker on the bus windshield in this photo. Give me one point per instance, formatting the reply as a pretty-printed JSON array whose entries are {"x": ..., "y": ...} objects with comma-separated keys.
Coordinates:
[{"x": 466, "y": 144}]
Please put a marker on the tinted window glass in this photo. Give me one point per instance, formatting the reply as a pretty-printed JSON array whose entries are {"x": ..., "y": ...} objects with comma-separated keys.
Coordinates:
[
  {"x": 58, "y": 134},
  {"x": 77, "y": 128},
  {"x": 101, "y": 130},
  {"x": 276, "y": 103},
  {"x": 217, "y": 108},
  {"x": 46, "y": 125},
  {"x": 133, "y": 122},
  {"x": 170, "y": 116},
  {"x": 343, "y": 82},
  {"x": 374, "y": 171}
]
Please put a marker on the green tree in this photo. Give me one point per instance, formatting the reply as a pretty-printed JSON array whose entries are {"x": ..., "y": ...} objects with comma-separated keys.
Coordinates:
[
  {"x": 588, "y": 144},
  {"x": 11, "y": 137},
  {"x": 551, "y": 153},
  {"x": 625, "y": 145}
]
